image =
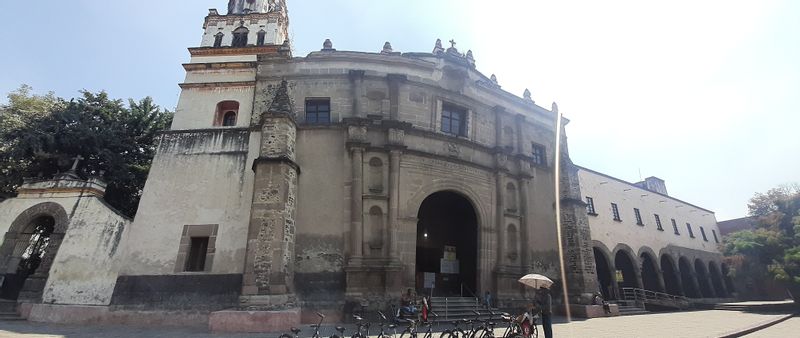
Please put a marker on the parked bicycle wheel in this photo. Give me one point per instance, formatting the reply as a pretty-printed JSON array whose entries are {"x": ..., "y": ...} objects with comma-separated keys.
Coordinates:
[{"x": 285, "y": 335}]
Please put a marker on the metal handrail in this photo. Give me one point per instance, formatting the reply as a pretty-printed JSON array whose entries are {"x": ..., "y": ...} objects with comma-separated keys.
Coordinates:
[{"x": 642, "y": 296}]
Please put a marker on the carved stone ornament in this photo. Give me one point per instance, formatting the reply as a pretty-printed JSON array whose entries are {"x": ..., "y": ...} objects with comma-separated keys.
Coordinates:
[
  {"x": 501, "y": 160},
  {"x": 452, "y": 149},
  {"x": 527, "y": 95},
  {"x": 327, "y": 46},
  {"x": 387, "y": 48},
  {"x": 357, "y": 133},
  {"x": 438, "y": 49},
  {"x": 397, "y": 137}
]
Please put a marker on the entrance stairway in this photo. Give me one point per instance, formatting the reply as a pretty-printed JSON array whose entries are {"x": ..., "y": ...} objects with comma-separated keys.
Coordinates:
[
  {"x": 455, "y": 308},
  {"x": 8, "y": 310},
  {"x": 644, "y": 299}
]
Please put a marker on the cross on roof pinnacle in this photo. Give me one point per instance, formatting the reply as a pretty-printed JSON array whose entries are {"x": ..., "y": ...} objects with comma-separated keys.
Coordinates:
[
  {"x": 453, "y": 43},
  {"x": 75, "y": 164}
]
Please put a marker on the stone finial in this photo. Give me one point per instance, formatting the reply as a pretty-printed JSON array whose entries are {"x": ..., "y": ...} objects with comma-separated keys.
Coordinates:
[
  {"x": 494, "y": 79},
  {"x": 527, "y": 95},
  {"x": 387, "y": 48},
  {"x": 453, "y": 50},
  {"x": 281, "y": 104},
  {"x": 327, "y": 46},
  {"x": 470, "y": 58},
  {"x": 438, "y": 49},
  {"x": 554, "y": 108}
]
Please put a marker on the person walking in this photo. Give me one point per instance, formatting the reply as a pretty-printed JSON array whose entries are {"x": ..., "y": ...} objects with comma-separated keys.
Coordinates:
[
  {"x": 544, "y": 302},
  {"x": 487, "y": 300}
]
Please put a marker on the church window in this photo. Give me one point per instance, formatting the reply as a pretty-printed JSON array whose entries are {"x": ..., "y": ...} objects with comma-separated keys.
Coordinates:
[
  {"x": 454, "y": 120},
  {"x": 218, "y": 39},
  {"x": 377, "y": 229},
  {"x": 375, "y": 175},
  {"x": 714, "y": 232},
  {"x": 262, "y": 35},
  {"x": 511, "y": 198},
  {"x": 675, "y": 227},
  {"x": 513, "y": 243},
  {"x": 638, "y": 215},
  {"x": 689, "y": 227},
  {"x": 658, "y": 223},
  {"x": 196, "y": 261},
  {"x": 539, "y": 154},
  {"x": 240, "y": 37},
  {"x": 230, "y": 119},
  {"x": 703, "y": 232},
  {"x": 318, "y": 111},
  {"x": 590, "y": 206},
  {"x": 615, "y": 212},
  {"x": 226, "y": 114}
]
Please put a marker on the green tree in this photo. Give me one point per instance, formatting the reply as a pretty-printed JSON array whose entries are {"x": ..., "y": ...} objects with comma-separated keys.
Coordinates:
[
  {"x": 117, "y": 142},
  {"x": 772, "y": 250}
]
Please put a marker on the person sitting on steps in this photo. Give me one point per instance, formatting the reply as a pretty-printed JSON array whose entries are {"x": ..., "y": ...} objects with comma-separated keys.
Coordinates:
[{"x": 407, "y": 303}]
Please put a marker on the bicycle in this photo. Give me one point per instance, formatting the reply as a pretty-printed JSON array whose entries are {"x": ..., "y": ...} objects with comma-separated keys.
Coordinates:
[
  {"x": 487, "y": 329},
  {"x": 361, "y": 326},
  {"x": 296, "y": 331},
  {"x": 411, "y": 329},
  {"x": 523, "y": 326},
  {"x": 457, "y": 331},
  {"x": 382, "y": 324}
]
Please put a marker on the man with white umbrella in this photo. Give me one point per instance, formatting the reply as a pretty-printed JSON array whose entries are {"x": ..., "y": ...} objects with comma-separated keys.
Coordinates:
[{"x": 544, "y": 301}]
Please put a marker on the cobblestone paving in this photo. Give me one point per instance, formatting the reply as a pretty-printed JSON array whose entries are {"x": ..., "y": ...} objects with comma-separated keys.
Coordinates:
[
  {"x": 684, "y": 324},
  {"x": 789, "y": 328}
]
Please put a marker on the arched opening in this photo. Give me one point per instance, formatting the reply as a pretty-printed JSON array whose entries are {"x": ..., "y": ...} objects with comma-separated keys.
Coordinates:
[
  {"x": 261, "y": 37},
  {"x": 716, "y": 280},
  {"x": 375, "y": 237},
  {"x": 375, "y": 175},
  {"x": 447, "y": 245},
  {"x": 226, "y": 114},
  {"x": 726, "y": 276},
  {"x": 650, "y": 274},
  {"x": 511, "y": 197},
  {"x": 625, "y": 271},
  {"x": 30, "y": 248},
  {"x": 687, "y": 280},
  {"x": 240, "y": 37},
  {"x": 512, "y": 238},
  {"x": 218, "y": 39},
  {"x": 604, "y": 274},
  {"x": 703, "y": 280},
  {"x": 671, "y": 281}
]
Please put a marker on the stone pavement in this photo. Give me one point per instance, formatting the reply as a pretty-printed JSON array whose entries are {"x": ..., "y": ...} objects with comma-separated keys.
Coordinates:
[
  {"x": 789, "y": 328},
  {"x": 680, "y": 324}
]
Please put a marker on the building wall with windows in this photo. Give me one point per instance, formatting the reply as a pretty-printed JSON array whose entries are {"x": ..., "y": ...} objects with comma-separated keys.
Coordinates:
[{"x": 644, "y": 241}]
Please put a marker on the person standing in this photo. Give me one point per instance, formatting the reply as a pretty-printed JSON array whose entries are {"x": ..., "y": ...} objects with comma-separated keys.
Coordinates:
[
  {"x": 487, "y": 300},
  {"x": 544, "y": 302}
]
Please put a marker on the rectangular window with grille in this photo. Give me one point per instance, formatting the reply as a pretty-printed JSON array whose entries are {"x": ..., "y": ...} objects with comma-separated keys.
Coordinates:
[
  {"x": 539, "y": 154},
  {"x": 590, "y": 206},
  {"x": 638, "y": 215},
  {"x": 714, "y": 232},
  {"x": 454, "y": 120},
  {"x": 689, "y": 228},
  {"x": 318, "y": 111},
  {"x": 658, "y": 223},
  {"x": 675, "y": 227},
  {"x": 703, "y": 233},
  {"x": 615, "y": 212}
]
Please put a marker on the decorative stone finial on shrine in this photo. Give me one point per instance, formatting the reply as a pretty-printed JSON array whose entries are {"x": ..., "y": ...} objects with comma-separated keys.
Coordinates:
[
  {"x": 527, "y": 95},
  {"x": 327, "y": 46},
  {"x": 554, "y": 108},
  {"x": 453, "y": 50},
  {"x": 281, "y": 104},
  {"x": 470, "y": 58},
  {"x": 387, "y": 48},
  {"x": 494, "y": 80},
  {"x": 438, "y": 49}
]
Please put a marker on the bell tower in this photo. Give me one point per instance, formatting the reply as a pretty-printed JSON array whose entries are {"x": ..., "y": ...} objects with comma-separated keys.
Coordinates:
[{"x": 247, "y": 23}]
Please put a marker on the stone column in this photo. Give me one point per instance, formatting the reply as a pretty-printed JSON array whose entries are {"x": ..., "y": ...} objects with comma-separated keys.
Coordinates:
[
  {"x": 396, "y": 81},
  {"x": 394, "y": 200},
  {"x": 357, "y": 79},
  {"x": 500, "y": 219},
  {"x": 356, "y": 201},
  {"x": 269, "y": 263}
]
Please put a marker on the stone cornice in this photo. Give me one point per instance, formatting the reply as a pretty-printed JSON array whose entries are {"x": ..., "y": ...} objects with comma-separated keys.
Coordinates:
[
  {"x": 217, "y": 84},
  {"x": 226, "y": 51},
  {"x": 219, "y": 65},
  {"x": 278, "y": 159}
]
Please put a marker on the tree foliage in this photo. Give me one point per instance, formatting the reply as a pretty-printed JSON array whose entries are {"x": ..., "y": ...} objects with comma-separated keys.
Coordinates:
[
  {"x": 772, "y": 250},
  {"x": 45, "y": 134}
]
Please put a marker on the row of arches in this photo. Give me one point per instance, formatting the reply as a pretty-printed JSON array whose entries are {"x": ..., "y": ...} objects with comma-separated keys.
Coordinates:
[
  {"x": 684, "y": 276},
  {"x": 240, "y": 37}
]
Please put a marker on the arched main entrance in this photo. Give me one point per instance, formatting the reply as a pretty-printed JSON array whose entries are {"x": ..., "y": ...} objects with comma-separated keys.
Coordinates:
[
  {"x": 689, "y": 286},
  {"x": 447, "y": 245},
  {"x": 604, "y": 274},
  {"x": 671, "y": 281},
  {"x": 28, "y": 250},
  {"x": 623, "y": 263},
  {"x": 650, "y": 274},
  {"x": 716, "y": 280}
]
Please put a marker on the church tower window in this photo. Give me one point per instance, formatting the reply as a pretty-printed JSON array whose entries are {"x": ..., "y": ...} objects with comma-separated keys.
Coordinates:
[
  {"x": 218, "y": 39},
  {"x": 454, "y": 120},
  {"x": 226, "y": 114},
  {"x": 240, "y": 37},
  {"x": 262, "y": 35}
]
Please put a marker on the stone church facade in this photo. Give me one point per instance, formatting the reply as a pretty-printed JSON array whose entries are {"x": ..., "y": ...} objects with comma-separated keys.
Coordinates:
[{"x": 329, "y": 182}]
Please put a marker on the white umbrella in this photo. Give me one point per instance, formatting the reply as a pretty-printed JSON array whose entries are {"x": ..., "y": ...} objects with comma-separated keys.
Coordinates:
[{"x": 536, "y": 281}]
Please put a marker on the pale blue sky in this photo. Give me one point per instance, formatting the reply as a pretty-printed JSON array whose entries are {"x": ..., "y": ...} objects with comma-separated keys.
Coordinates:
[{"x": 704, "y": 94}]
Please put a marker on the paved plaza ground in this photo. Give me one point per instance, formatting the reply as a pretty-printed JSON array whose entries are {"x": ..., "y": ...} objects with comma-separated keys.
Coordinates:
[{"x": 680, "y": 324}]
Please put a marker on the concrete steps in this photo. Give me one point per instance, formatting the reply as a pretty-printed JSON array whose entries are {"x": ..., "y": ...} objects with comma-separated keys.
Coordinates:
[
  {"x": 630, "y": 310},
  {"x": 10, "y": 316},
  {"x": 8, "y": 310},
  {"x": 456, "y": 308}
]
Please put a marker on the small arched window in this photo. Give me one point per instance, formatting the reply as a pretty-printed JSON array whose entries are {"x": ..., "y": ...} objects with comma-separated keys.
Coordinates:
[
  {"x": 512, "y": 241},
  {"x": 262, "y": 35},
  {"x": 375, "y": 175},
  {"x": 240, "y": 37},
  {"x": 229, "y": 120},
  {"x": 218, "y": 39},
  {"x": 511, "y": 198},
  {"x": 226, "y": 114}
]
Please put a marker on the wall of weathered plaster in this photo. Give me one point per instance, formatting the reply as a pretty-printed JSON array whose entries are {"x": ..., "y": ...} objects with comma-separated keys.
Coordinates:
[
  {"x": 85, "y": 269},
  {"x": 197, "y": 178},
  {"x": 197, "y": 106}
]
